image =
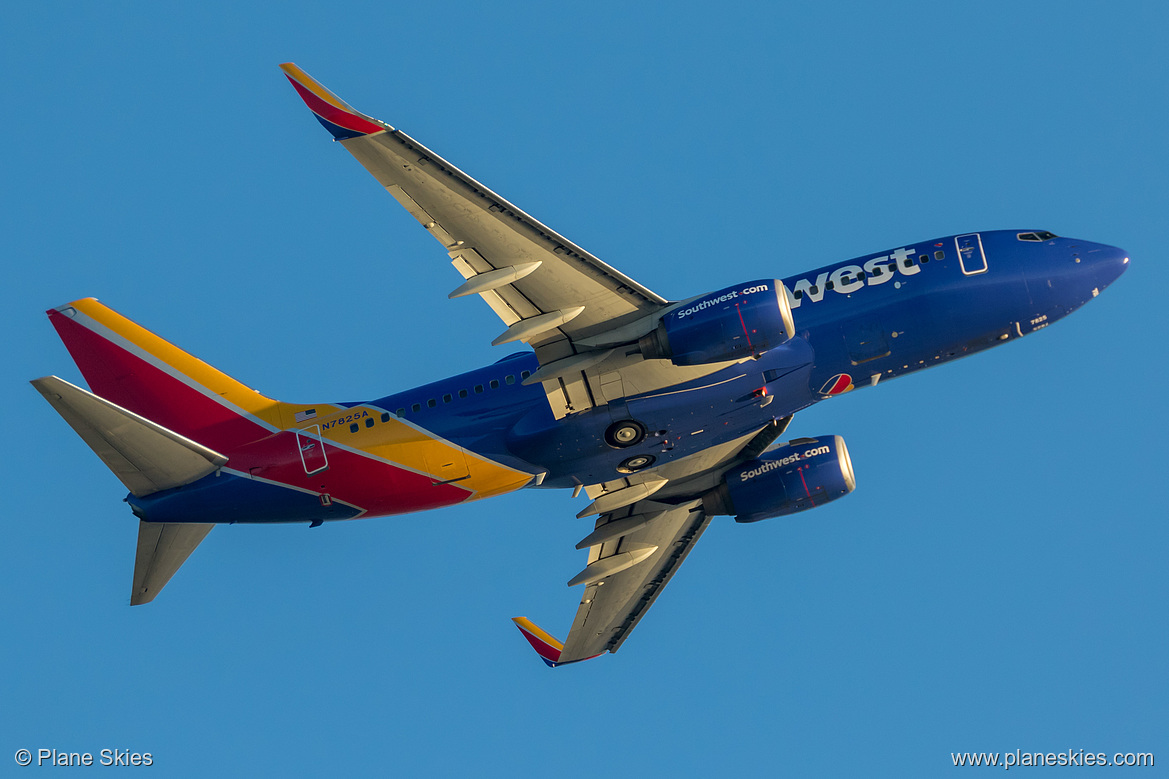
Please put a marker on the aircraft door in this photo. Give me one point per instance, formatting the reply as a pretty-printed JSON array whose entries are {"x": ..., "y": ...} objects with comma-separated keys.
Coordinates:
[
  {"x": 312, "y": 449},
  {"x": 970, "y": 254}
]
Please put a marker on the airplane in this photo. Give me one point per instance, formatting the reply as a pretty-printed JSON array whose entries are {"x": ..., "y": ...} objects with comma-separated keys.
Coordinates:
[{"x": 664, "y": 413}]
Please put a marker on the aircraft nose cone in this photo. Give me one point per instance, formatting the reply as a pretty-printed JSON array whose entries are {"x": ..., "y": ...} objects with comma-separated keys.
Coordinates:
[
  {"x": 1110, "y": 262},
  {"x": 1115, "y": 264},
  {"x": 1072, "y": 273}
]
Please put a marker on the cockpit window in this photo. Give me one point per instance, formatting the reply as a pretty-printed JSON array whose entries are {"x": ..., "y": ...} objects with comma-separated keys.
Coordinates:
[{"x": 1038, "y": 237}]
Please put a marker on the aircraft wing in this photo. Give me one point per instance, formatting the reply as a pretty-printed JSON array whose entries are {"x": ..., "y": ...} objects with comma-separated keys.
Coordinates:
[
  {"x": 645, "y": 528},
  {"x": 580, "y": 316},
  {"x": 546, "y": 289},
  {"x": 613, "y": 604},
  {"x": 633, "y": 554}
]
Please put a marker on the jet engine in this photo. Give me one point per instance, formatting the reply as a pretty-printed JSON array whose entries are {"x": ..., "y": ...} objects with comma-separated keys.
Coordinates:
[
  {"x": 740, "y": 321},
  {"x": 798, "y": 475}
]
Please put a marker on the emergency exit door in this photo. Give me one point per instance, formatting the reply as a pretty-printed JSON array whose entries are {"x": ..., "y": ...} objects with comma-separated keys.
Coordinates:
[
  {"x": 312, "y": 449},
  {"x": 970, "y": 254}
]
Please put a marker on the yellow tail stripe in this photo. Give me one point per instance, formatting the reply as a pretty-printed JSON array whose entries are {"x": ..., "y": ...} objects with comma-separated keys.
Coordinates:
[{"x": 212, "y": 379}]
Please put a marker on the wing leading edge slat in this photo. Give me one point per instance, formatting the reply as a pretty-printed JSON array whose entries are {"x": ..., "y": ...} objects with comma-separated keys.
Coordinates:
[{"x": 469, "y": 212}]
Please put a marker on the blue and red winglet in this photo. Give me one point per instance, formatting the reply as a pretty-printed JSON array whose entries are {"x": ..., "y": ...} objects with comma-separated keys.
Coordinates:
[
  {"x": 547, "y": 647},
  {"x": 338, "y": 117}
]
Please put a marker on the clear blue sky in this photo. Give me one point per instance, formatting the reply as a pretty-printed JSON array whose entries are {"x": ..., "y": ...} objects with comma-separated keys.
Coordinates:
[{"x": 998, "y": 580}]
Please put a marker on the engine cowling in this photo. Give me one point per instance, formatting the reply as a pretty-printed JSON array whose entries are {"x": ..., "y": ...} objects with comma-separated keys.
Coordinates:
[
  {"x": 797, "y": 476},
  {"x": 740, "y": 321}
]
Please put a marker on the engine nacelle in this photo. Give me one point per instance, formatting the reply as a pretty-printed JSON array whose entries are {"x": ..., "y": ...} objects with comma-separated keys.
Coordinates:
[
  {"x": 740, "y": 321},
  {"x": 799, "y": 475}
]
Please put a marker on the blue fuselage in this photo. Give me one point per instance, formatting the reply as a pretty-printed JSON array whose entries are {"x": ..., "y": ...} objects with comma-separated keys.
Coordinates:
[{"x": 858, "y": 323}]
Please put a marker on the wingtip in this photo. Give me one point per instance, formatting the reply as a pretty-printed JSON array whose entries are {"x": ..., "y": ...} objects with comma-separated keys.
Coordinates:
[
  {"x": 337, "y": 116},
  {"x": 546, "y": 646}
]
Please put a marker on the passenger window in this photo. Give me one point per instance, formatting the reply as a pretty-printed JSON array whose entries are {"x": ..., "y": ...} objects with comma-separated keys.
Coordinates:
[
  {"x": 923, "y": 258},
  {"x": 386, "y": 417},
  {"x": 829, "y": 285},
  {"x": 478, "y": 389},
  {"x": 416, "y": 407},
  {"x": 525, "y": 374},
  {"x": 813, "y": 290},
  {"x": 939, "y": 255},
  {"x": 400, "y": 412},
  {"x": 369, "y": 420},
  {"x": 432, "y": 403},
  {"x": 447, "y": 398},
  {"x": 495, "y": 384},
  {"x": 353, "y": 428},
  {"x": 509, "y": 378},
  {"x": 462, "y": 393},
  {"x": 799, "y": 294}
]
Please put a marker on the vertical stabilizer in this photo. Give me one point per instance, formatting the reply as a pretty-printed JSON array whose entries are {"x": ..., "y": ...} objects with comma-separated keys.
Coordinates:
[{"x": 128, "y": 365}]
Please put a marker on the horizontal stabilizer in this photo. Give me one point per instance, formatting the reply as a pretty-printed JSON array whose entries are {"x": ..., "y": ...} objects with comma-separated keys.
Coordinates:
[
  {"x": 162, "y": 548},
  {"x": 146, "y": 457}
]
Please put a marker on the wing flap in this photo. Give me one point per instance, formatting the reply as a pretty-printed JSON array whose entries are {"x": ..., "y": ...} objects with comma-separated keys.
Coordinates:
[{"x": 145, "y": 456}]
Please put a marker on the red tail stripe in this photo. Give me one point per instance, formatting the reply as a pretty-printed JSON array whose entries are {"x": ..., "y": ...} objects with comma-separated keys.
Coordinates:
[{"x": 124, "y": 378}]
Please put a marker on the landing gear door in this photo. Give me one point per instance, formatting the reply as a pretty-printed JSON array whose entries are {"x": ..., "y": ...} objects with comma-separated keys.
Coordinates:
[
  {"x": 312, "y": 449},
  {"x": 613, "y": 391},
  {"x": 970, "y": 254}
]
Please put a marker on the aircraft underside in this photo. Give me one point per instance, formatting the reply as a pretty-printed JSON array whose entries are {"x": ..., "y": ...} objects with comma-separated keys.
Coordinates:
[{"x": 664, "y": 413}]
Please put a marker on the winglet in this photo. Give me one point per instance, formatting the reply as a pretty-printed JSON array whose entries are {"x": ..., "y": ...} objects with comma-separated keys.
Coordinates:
[
  {"x": 547, "y": 647},
  {"x": 337, "y": 116}
]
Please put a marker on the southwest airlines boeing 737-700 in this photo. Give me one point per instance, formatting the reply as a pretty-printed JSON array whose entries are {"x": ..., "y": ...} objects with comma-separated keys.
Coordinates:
[{"x": 664, "y": 413}]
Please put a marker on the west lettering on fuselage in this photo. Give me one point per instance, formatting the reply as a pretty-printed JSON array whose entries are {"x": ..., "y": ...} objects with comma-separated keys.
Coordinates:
[{"x": 847, "y": 279}]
